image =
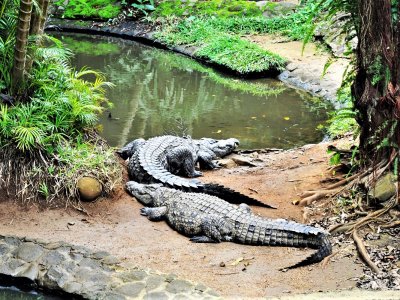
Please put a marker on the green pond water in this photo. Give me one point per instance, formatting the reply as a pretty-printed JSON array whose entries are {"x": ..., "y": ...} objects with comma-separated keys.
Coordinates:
[
  {"x": 10, "y": 293},
  {"x": 159, "y": 92}
]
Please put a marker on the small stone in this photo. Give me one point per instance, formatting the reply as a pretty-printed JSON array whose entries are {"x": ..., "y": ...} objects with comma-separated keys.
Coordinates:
[
  {"x": 222, "y": 264},
  {"x": 89, "y": 188}
]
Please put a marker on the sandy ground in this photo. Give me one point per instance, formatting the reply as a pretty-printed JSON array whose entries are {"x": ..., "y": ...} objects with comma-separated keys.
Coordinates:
[{"x": 116, "y": 226}]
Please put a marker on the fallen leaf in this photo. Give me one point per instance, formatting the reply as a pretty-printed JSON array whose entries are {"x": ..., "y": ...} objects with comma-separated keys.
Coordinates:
[
  {"x": 254, "y": 118},
  {"x": 286, "y": 118},
  {"x": 236, "y": 262}
]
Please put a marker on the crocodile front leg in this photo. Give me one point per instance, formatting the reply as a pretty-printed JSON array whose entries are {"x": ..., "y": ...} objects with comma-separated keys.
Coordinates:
[
  {"x": 154, "y": 213},
  {"x": 215, "y": 230},
  {"x": 180, "y": 161}
]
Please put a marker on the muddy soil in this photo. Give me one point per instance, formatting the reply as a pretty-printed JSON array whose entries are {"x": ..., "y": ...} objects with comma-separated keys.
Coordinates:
[{"x": 233, "y": 270}]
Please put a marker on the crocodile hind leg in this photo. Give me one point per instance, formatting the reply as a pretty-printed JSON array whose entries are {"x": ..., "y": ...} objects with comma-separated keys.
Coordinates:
[{"x": 154, "y": 213}]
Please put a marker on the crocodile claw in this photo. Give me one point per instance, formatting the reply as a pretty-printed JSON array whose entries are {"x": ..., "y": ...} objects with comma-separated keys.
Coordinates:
[
  {"x": 144, "y": 211},
  {"x": 201, "y": 239}
]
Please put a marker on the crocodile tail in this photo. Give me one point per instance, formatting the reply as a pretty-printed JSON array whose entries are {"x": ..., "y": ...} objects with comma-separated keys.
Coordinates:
[
  {"x": 324, "y": 249},
  {"x": 229, "y": 195}
]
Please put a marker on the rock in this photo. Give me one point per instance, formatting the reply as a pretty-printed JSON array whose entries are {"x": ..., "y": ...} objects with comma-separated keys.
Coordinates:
[
  {"x": 178, "y": 286},
  {"x": 89, "y": 188},
  {"x": 384, "y": 188},
  {"x": 227, "y": 163},
  {"x": 131, "y": 289},
  {"x": 242, "y": 161},
  {"x": 274, "y": 9},
  {"x": 29, "y": 252}
]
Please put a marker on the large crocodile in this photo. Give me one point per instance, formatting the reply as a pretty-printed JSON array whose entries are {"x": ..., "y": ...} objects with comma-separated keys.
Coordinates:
[
  {"x": 165, "y": 159},
  {"x": 207, "y": 218}
]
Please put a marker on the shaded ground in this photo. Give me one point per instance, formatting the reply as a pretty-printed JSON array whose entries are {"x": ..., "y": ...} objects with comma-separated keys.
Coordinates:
[{"x": 117, "y": 227}]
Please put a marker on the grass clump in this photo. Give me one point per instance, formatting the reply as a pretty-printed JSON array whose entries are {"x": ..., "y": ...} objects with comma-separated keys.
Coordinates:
[
  {"x": 240, "y": 55},
  {"x": 225, "y": 49},
  {"x": 97, "y": 9},
  {"x": 217, "y": 8}
]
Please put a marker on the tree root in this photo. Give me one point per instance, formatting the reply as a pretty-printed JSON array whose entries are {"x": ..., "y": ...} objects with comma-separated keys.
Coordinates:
[
  {"x": 391, "y": 224},
  {"x": 309, "y": 197},
  {"x": 363, "y": 252},
  {"x": 366, "y": 177}
]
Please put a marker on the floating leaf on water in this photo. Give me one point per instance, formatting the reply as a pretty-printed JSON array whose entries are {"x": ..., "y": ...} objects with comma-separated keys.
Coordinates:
[
  {"x": 218, "y": 131},
  {"x": 286, "y": 118},
  {"x": 254, "y": 118}
]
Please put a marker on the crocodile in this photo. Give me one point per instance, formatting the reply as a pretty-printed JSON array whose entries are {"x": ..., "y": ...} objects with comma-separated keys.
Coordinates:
[
  {"x": 169, "y": 159},
  {"x": 205, "y": 218}
]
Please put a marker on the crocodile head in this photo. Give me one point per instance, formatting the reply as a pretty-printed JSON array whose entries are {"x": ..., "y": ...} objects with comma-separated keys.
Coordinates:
[
  {"x": 221, "y": 148},
  {"x": 144, "y": 193}
]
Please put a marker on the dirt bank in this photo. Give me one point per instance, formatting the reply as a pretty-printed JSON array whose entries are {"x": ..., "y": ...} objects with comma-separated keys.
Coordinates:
[
  {"x": 306, "y": 67},
  {"x": 115, "y": 225}
]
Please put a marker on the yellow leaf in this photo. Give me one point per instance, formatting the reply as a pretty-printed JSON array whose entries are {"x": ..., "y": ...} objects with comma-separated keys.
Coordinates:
[
  {"x": 219, "y": 131},
  {"x": 254, "y": 118},
  {"x": 236, "y": 262},
  {"x": 286, "y": 118}
]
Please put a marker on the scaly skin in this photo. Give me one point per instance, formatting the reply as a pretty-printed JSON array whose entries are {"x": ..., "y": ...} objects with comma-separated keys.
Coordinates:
[
  {"x": 165, "y": 159},
  {"x": 207, "y": 218}
]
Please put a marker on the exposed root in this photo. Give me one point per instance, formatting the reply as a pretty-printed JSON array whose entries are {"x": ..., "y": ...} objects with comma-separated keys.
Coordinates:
[
  {"x": 363, "y": 252},
  {"x": 326, "y": 260},
  {"x": 391, "y": 224},
  {"x": 309, "y": 197},
  {"x": 366, "y": 178}
]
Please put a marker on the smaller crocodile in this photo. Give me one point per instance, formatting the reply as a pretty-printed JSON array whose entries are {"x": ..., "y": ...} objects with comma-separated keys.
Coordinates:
[
  {"x": 171, "y": 160},
  {"x": 206, "y": 218}
]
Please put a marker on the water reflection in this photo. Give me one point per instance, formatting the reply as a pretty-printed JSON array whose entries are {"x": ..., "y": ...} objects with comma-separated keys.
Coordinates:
[{"x": 160, "y": 92}]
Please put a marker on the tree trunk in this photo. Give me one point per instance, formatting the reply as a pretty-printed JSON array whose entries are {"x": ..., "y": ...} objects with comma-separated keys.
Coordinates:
[
  {"x": 24, "y": 19},
  {"x": 376, "y": 88},
  {"x": 37, "y": 23}
]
